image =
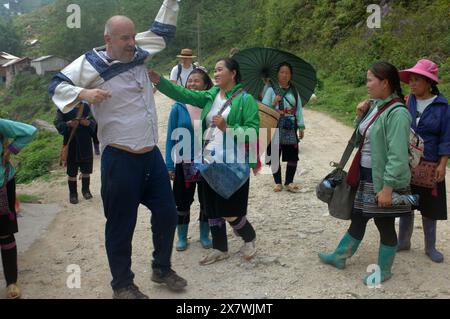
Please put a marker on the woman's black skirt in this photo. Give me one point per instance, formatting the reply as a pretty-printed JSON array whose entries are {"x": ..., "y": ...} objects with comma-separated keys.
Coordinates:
[
  {"x": 8, "y": 224},
  {"x": 216, "y": 206},
  {"x": 432, "y": 204}
]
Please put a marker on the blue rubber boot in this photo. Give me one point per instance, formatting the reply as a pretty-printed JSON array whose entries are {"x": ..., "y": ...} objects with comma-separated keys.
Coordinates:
[
  {"x": 346, "y": 248},
  {"x": 405, "y": 231},
  {"x": 386, "y": 257},
  {"x": 182, "y": 242},
  {"x": 429, "y": 230},
  {"x": 204, "y": 235}
]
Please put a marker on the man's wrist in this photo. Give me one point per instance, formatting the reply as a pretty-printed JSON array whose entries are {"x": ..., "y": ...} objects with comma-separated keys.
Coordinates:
[{"x": 81, "y": 95}]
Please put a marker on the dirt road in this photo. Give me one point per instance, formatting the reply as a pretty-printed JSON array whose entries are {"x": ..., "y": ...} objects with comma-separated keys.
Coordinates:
[{"x": 291, "y": 230}]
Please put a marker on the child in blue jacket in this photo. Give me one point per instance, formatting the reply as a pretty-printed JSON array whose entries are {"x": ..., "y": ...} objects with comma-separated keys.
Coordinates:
[{"x": 185, "y": 119}]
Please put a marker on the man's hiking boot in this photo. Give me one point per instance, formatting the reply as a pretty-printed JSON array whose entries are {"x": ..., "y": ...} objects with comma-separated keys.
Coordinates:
[
  {"x": 130, "y": 292},
  {"x": 171, "y": 279}
]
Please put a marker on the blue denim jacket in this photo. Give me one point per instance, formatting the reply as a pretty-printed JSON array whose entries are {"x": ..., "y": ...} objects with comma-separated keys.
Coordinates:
[{"x": 433, "y": 127}]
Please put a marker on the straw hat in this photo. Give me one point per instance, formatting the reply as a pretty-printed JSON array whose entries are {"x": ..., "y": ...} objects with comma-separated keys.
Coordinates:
[{"x": 186, "y": 53}]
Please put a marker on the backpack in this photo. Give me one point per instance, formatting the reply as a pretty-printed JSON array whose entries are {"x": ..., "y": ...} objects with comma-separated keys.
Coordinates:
[{"x": 180, "y": 69}]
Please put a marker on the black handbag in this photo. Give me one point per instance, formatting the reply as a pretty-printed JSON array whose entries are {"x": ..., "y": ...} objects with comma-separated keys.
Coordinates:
[
  {"x": 334, "y": 190},
  {"x": 342, "y": 201}
]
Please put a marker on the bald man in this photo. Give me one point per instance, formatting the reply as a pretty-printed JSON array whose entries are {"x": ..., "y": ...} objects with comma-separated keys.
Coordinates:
[{"x": 114, "y": 81}]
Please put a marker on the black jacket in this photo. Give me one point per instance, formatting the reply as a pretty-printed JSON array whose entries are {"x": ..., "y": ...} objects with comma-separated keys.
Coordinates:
[{"x": 80, "y": 148}]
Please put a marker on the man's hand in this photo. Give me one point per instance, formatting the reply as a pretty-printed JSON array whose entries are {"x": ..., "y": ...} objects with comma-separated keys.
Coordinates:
[
  {"x": 154, "y": 77},
  {"x": 362, "y": 108},
  {"x": 94, "y": 96},
  {"x": 219, "y": 121},
  {"x": 172, "y": 175}
]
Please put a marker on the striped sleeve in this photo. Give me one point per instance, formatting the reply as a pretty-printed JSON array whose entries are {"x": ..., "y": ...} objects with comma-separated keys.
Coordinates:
[{"x": 162, "y": 30}]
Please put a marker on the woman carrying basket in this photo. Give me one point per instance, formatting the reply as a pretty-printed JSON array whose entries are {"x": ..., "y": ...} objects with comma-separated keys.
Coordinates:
[{"x": 289, "y": 104}]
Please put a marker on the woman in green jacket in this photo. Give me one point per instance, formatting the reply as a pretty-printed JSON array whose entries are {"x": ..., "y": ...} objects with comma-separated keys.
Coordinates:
[
  {"x": 13, "y": 137},
  {"x": 240, "y": 118},
  {"x": 384, "y": 167}
]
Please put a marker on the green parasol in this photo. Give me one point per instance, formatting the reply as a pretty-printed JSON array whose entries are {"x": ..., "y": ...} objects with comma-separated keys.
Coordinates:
[{"x": 257, "y": 64}]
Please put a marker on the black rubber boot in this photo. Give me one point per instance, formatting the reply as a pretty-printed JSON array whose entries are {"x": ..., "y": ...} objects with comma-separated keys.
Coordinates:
[
  {"x": 85, "y": 181},
  {"x": 73, "y": 194}
]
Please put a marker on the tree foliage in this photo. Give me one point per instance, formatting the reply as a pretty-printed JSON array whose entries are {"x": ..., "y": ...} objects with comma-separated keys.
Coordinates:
[
  {"x": 9, "y": 40},
  {"x": 333, "y": 35}
]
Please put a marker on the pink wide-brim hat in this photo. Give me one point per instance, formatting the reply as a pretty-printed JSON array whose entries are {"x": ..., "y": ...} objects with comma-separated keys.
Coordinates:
[{"x": 423, "y": 67}]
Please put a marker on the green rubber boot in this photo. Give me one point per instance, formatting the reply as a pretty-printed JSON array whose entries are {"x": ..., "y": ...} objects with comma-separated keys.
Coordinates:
[
  {"x": 346, "y": 248},
  {"x": 182, "y": 242},
  {"x": 386, "y": 257},
  {"x": 204, "y": 235}
]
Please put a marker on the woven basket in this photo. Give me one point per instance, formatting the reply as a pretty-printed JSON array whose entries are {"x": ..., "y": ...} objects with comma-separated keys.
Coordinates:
[{"x": 268, "y": 119}]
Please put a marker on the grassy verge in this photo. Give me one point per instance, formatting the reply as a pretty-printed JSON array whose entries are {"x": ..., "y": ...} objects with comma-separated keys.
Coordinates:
[
  {"x": 26, "y": 100},
  {"x": 39, "y": 157},
  {"x": 31, "y": 199},
  {"x": 338, "y": 99}
]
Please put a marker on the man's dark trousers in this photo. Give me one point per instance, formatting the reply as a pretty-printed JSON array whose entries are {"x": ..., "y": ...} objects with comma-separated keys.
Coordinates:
[{"x": 128, "y": 180}]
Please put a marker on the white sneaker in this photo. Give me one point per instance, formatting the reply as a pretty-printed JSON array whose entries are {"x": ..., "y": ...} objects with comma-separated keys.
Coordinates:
[
  {"x": 248, "y": 250},
  {"x": 213, "y": 256}
]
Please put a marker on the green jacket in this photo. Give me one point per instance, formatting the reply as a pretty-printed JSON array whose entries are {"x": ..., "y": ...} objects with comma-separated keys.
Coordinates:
[
  {"x": 244, "y": 113},
  {"x": 389, "y": 139},
  {"x": 19, "y": 135}
]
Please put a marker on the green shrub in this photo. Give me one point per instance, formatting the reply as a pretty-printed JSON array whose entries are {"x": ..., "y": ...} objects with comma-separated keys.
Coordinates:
[
  {"x": 339, "y": 99},
  {"x": 26, "y": 100},
  {"x": 37, "y": 158}
]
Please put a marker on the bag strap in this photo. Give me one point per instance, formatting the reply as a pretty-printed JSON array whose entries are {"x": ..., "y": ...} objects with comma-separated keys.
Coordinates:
[
  {"x": 351, "y": 143},
  {"x": 222, "y": 109},
  {"x": 77, "y": 118},
  {"x": 294, "y": 93},
  {"x": 361, "y": 142},
  {"x": 228, "y": 102},
  {"x": 407, "y": 99},
  {"x": 179, "y": 73},
  {"x": 347, "y": 152}
]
